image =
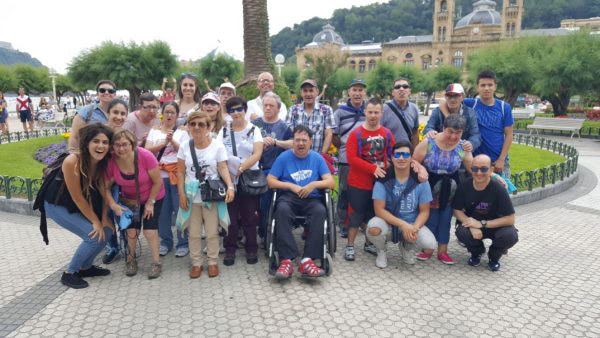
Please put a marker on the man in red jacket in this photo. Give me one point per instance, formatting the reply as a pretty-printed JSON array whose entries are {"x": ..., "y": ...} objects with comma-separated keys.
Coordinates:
[{"x": 368, "y": 149}]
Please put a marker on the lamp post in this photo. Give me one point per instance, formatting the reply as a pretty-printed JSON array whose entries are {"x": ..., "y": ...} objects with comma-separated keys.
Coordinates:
[
  {"x": 279, "y": 60},
  {"x": 53, "y": 77}
]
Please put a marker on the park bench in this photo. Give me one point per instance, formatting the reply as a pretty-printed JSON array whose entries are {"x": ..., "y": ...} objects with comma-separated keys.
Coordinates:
[
  {"x": 56, "y": 120},
  {"x": 549, "y": 123}
]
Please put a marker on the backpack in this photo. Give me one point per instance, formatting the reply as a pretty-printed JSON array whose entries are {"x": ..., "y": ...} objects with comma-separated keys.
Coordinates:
[{"x": 50, "y": 175}]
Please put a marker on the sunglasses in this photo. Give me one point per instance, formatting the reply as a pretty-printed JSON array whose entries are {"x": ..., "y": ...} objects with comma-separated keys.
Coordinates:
[
  {"x": 235, "y": 110},
  {"x": 104, "y": 90},
  {"x": 184, "y": 75},
  {"x": 403, "y": 154},
  {"x": 476, "y": 169},
  {"x": 405, "y": 86},
  {"x": 197, "y": 124}
]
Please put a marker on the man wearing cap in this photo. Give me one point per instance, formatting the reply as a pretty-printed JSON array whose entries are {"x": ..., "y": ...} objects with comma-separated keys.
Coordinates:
[
  {"x": 265, "y": 83},
  {"x": 316, "y": 116},
  {"x": 226, "y": 91},
  {"x": 401, "y": 116},
  {"x": 455, "y": 95},
  {"x": 347, "y": 117}
]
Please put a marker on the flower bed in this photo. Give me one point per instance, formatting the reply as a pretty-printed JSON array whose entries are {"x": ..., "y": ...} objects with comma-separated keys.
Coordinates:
[{"x": 48, "y": 154}]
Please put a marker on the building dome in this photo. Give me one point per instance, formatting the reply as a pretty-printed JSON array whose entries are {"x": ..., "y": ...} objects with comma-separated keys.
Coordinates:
[
  {"x": 328, "y": 35},
  {"x": 484, "y": 13}
]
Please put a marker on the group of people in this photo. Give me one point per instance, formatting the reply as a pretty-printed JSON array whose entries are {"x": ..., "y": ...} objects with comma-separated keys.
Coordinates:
[{"x": 160, "y": 167}]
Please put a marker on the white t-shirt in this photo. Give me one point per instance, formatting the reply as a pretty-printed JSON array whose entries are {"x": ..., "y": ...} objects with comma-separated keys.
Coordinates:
[
  {"x": 156, "y": 136},
  {"x": 256, "y": 106},
  {"x": 208, "y": 158},
  {"x": 244, "y": 142}
]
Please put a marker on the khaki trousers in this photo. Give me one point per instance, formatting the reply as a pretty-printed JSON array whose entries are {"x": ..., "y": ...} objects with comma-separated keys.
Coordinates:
[{"x": 207, "y": 218}]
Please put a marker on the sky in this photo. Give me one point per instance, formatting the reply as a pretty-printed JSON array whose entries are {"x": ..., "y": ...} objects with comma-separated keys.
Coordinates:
[{"x": 56, "y": 31}]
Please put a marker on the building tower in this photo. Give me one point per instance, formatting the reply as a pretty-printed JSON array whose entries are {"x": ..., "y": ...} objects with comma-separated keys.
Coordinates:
[
  {"x": 443, "y": 21},
  {"x": 512, "y": 16}
]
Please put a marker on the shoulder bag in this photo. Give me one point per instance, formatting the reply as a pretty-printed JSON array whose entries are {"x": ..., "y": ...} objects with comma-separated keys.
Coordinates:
[
  {"x": 210, "y": 190},
  {"x": 252, "y": 181}
]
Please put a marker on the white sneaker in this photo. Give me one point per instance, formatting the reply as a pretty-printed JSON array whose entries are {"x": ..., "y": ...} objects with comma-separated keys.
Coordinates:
[
  {"x": 408, "y": 256},
  {"x": 381, "y": 260}
]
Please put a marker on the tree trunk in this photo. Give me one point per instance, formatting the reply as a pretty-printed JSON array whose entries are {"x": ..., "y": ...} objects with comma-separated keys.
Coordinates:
[
  {"x": 257, "y": 42},
  {"x": 134, "y": 98},
  {"x": 560, "y": 103},
  {"x": 426, "y": 112}
]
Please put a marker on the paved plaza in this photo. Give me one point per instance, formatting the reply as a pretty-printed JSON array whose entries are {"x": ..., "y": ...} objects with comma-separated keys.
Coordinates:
[{"x": 548, "y": 286}]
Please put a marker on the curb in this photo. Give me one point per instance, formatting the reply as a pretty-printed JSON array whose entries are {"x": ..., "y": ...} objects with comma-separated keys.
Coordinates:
[
  {"x": 537, "y": 194},
  {"x": 18, "y": 206}
]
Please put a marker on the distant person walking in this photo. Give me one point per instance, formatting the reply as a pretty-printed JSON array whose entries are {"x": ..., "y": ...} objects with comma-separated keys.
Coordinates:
[
  {"x": 3, "y": 115},
  {"x": 24, "y": 108}
]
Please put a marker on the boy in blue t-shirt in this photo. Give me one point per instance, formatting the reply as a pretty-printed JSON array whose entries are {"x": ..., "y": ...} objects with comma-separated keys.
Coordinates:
[{"x": 299, "y": 174}]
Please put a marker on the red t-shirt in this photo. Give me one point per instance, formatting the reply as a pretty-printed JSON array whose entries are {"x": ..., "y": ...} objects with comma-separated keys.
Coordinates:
[
  {"x": 375, "y": 150},
  {"x": 166, "y": 98}
]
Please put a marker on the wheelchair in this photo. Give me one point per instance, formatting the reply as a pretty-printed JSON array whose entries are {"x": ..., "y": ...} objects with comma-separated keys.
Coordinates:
[{"x": 329, "y": 234}]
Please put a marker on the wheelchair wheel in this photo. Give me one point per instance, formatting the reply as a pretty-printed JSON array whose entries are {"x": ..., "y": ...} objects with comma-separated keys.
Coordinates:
[
  {"x": 327, "y": 265},
  {"x": 271, "y": 253},
  {"x": 331, "y": 227}
]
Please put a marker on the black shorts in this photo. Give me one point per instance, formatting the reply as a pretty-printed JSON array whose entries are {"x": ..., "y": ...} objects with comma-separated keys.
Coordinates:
[
  {"x": 25, "y": 115},
  {"x": 148, "y": 224},
  {"x": 361, "y": 202}
]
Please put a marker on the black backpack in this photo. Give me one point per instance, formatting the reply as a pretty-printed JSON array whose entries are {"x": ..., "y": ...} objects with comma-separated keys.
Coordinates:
[{"x": 51, "y": 176}]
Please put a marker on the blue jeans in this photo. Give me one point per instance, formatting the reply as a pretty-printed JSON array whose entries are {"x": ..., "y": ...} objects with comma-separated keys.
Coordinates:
[
  {"x": 80, "y": 226},
  {"x": 168, "y": 214},
  {"x": 439, "y": 223}
]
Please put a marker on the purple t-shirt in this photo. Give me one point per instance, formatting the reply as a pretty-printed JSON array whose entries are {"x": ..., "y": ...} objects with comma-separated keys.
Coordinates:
[{"x": 146, "y": 162}]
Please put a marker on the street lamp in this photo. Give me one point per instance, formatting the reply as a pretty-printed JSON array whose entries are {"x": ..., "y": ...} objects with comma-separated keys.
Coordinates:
[
  {"x": 279, "y": 60},
  {"x": 53, "y": 77}
]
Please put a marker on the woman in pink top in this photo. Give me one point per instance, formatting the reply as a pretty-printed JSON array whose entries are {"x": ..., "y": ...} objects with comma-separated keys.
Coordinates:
[{"x": 145, "y": 201}]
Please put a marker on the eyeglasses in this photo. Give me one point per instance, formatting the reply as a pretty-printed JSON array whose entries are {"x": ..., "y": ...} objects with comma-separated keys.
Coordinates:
[
  {"x": 476, "y": 169},
  {"x": 405, "y": 86},
  {"x": 403, "y": 154},
  {"x": 197, "y": 124},
  {"x": 235, "y": 110},
  {"x": 150, "y": 107},
  {"x": 121, "y": 145},
  {"x": 104, "y": 90}
]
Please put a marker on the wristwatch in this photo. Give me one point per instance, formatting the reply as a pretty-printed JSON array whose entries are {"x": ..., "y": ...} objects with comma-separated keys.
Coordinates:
[{"x": 483, "y": 224}]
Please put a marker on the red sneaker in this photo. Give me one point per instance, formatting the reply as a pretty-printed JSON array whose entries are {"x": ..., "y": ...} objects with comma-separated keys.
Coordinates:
[
  {"x": 309, "y": 269},
  {"x": 285, "y": 269}
]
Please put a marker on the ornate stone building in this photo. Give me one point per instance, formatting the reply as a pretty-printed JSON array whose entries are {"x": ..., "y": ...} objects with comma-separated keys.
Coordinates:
[{"x": 451, "y": 42}]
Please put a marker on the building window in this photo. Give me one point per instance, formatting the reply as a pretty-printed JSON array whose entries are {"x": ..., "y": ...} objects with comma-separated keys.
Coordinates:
[
  {"x": 353, "y": 65},
  {"x": 408, "y": 59},
  {"x": 362, "y": 66},
  {"x": 426, "y": 62},
  {"x": 372, "y": 64},
  {"x": 443, "y": 33},
  {"x": 444, "y": 6},
  {"x": 458, "y": 60},
  {"x": 439, "y": 61}
]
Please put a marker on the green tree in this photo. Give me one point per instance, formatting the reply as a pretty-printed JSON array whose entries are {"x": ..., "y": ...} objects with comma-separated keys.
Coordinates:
[
  {"x": 63, "y": 84},
  {"x": 35, "y": 80},
  {"x": 381, "y": 79},
  {"x": 257, "y": 43},
  {"x": 323, "y": 66},
  {"x": 215, "y": 69},
  {"x": 438, "y": 79},
  {"x": 291, "y": 75},
  {"x": 8, "y": 81},
  {"x": 337, "y": 85},
  {"x": 134, "y": 67}
]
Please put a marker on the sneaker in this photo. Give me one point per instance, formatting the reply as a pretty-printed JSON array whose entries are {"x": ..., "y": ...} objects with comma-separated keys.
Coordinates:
[
  {"x": 475, "y": 260},
  {"x": 155, "y": 271},
  {"x": 445, "y": 258},
  {"x": 131, "y": 268},
  {"x": 182, "y": 251},
  {"x": 285, "y": 270},
  {"x": 494, "y": 266},
  {"x": 73, "y": 280},
  {"x": 349, "y": 253},
  {"x": 110, "y": 256},
  {"x": 423, "y": 256},
  {"x": 229, "y": 260},
  {"x": 381, "y": 261},
  {"x": 163, "y": 251},
  {"x": 344, "y": 232},
  {"x": 309, "y": 269},
  {"x": 94, "y": 271},
  {"x": 408, "y": 256},
  {"x": 370, "y": 248},
  {"x": 252, "y": 259}
]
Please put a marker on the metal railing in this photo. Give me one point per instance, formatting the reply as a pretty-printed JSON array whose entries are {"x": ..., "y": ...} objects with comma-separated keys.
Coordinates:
[
  {"x": 25, "y": 187},
  {"x": 18, "y": 136}
]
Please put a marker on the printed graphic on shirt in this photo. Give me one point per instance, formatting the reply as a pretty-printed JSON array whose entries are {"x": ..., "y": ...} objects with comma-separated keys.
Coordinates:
[
  {"x": 409, "y": 203},
  {"x": 203, "y": 165},
  {"x": 373, "y": 150},
  {"x": 482, "y": 208},
  {"x": 301, "y": 175}
]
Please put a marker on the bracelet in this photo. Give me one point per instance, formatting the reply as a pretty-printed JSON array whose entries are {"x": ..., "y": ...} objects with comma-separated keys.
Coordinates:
[{"x": 230, "y": 188}]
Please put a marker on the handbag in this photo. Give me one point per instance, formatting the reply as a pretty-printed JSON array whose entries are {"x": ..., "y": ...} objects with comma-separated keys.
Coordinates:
[
  {"x": 252, "y": 181},
  {"x": 210, "y": 189}
]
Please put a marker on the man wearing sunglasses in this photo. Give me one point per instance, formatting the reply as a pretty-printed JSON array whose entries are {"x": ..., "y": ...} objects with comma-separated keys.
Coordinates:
[
  {"x": 401, "y": 116},
  {"x": 265, "y": 83},
  {"x": 484, "y": 210},
  {"x": 455, "y": 94},
  {"x": 92, "y": 113}
]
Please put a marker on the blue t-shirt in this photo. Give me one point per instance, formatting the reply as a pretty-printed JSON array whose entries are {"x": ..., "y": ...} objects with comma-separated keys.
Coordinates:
[
  {"x": 300, "y": 171},
  {"x": 278, "y": 130},
  {"x": 408, "y": 208},
  {"x": 492, "y": 120}
]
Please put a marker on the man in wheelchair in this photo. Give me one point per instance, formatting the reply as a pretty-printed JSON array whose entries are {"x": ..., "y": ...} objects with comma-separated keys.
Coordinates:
[{"x": 299, "y": 173}]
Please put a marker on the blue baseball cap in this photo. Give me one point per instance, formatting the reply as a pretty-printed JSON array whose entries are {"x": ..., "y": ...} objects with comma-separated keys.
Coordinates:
[{"x": 357, "y": 82}]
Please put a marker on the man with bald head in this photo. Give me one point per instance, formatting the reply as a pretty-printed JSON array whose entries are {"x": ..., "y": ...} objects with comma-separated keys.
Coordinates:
[
  {"x": 483, "y": 209},
  {"x": 265, "y": 83}
]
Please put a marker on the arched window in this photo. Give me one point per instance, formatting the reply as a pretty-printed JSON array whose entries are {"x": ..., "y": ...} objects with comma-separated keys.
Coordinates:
[
  {"x": 426, "y": 61},
  {"x": 444, "y": 6},
  {"x": 458, "y": 60},
  {"x": 362, "y": 65},
  {"x": 408, "y": 59},
  {"x": 353, "y": 65},
  {"x": 372, "y": 64}
]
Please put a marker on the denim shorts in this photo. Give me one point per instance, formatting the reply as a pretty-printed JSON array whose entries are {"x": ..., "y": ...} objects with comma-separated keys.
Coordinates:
[
  {"x": 148, "y": 224},
  {"x": 25, "y": 115}
]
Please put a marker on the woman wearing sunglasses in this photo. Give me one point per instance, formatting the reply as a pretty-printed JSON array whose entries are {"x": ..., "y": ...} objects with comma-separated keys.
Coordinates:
[
  {"x": 94, "y": 112},
  {"x": 189, "y": 96},
  {"x": 442, "y": 156},
  {"x": 243, "y": 211}
]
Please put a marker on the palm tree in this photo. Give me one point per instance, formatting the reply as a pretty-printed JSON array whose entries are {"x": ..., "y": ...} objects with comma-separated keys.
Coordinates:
[{"x": 257, "y": 42}]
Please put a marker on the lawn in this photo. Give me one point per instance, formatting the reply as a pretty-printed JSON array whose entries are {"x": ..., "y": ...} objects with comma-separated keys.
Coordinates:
[
  {"x": 524, "y": 158},
  {"x": 17, "y": 159}
]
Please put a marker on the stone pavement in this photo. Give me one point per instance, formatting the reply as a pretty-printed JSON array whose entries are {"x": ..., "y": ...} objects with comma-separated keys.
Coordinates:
[{"x": 548, "y": 286}]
